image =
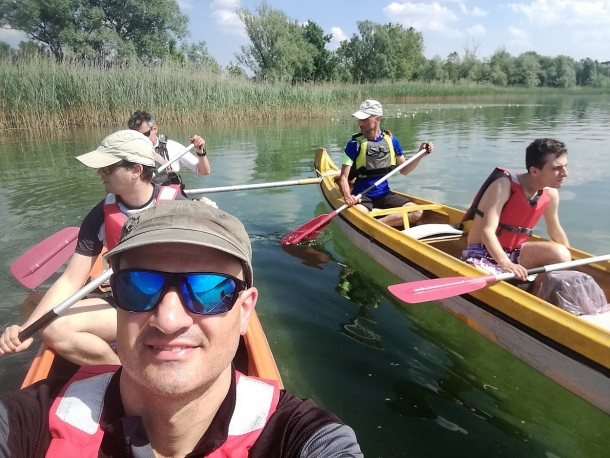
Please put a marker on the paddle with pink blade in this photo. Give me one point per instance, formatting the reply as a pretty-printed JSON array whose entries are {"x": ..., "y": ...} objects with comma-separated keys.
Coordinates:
[
  {"x": 441, "y": 288},
  {"x": 314, "y": 227}
]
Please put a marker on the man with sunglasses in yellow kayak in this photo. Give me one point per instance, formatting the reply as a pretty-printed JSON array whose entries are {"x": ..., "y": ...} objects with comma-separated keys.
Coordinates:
[
  {"x": 183, "y": 285},
  {"x": 125, "y": 164}
]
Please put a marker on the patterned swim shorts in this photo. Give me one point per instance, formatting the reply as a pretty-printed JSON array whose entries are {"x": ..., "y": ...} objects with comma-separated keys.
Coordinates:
[{"x": 477, "y": 255}]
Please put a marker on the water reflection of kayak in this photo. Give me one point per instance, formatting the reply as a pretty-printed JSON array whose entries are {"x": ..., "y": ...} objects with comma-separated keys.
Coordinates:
[
  {"x": 574, "y": 351},
  {"x": 253, "y": 356}
]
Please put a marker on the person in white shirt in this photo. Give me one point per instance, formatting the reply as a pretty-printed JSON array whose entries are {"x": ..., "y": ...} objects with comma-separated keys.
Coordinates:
[{"x": 166, "y": 149}]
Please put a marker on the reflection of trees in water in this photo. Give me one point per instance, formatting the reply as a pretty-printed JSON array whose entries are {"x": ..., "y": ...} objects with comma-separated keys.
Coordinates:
[{"x": 354, "y": 287}]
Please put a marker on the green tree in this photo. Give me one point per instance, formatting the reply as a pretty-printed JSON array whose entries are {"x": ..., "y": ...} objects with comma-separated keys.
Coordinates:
[
  {"x": 527, "y": 70},
  {"x": 101, "y": 27},
  {"x": 452, "y": 66},
  {"x": 45, "y": 21},
  {"x": 5, "y": 50},
  {"x": 587, "y": 73},
  {"x": 197, "y": 55},
  {"x": 433, "y": 70},
  {"x": 565, "y": 70},
  {"x": 382, "y": 52},
  {"x": 235, "y": 71},
  {"x": 278, "y": 50},
  {"x": 324, "y": 63}
]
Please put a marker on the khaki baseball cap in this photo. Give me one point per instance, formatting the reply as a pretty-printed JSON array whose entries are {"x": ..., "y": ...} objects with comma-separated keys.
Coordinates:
[
  {"x": 189, "y": 222},
  {"x": 369, "y": 108},
  {"x": 123, "y": 145}
]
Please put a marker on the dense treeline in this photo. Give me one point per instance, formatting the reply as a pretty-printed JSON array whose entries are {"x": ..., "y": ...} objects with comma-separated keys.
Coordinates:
[{"x": 281, "y": 49}]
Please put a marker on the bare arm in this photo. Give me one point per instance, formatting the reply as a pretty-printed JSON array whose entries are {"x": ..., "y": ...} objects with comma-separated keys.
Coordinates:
[
  {"x": 551, "y": 218},
  {"x": 492, "y": 202},
  {"x": 344, "y": 186},
  {"x": 409, "y": 168},
  {"x": 70, "y": 281},
  {"x": 203, "y": 167}
]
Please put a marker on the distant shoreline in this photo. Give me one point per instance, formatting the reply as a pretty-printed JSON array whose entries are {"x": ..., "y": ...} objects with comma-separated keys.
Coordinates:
[{"x": 38, "y": 94}]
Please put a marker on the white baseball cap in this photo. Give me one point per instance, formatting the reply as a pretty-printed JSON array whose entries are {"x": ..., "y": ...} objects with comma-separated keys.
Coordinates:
[
  {"x": 123, "y": 145},
  {"x": 369, "y": 108}
]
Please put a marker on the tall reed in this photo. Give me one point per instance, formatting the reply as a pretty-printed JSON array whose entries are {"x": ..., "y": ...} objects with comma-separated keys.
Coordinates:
[{"x": 39, "y": 93}]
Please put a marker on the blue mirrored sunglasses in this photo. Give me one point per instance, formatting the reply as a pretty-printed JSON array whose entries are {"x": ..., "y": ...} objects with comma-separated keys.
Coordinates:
[{"x": 203, "y": 293}]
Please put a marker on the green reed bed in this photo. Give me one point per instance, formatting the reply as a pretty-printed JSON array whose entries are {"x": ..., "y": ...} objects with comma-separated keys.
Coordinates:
[{"x": 40, "y": 93}]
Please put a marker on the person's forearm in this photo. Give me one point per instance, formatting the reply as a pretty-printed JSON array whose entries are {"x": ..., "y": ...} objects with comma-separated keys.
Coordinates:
[
  {"x": 203, "y": 168},
  {"x": 62, "y": 289},
  {"x": 344, "y": 187},
  {"x": 493, "y": 247},
  {"x": 409, "y": 168},
  {"x": 559, "y": 236}
]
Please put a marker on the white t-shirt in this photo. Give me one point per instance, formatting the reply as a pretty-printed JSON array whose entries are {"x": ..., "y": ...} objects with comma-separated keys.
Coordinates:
[{"x": 189, "y": 160}]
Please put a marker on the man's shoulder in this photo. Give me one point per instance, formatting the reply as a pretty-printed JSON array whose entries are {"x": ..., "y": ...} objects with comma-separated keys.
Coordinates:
[
  {"x": 300, "y": 428},
  {"x": 96, "y": 213},
  {"x": 173, "y": 145}
]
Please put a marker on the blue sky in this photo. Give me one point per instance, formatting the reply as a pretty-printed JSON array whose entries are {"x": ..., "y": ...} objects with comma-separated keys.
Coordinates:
[{"x": 550, "y": 27}]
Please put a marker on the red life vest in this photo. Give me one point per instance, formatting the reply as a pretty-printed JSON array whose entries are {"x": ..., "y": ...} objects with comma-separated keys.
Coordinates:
[
  {"x": 519, "y": 214},
  {"x": 114, "y": 219},
  {"x": 76, "y": 412}
]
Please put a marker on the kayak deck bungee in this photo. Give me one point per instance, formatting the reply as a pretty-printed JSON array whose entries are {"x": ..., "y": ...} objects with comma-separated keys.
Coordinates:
[{"x": 573, "y": 351}]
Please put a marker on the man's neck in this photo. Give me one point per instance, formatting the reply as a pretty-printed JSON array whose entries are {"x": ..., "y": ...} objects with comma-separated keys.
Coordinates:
[
  {"x": 373, "y": 134},
  {"x": 529, "y": 184},
  {"x": 138, "y": 195},
  {"x": 174, "y": 425}
]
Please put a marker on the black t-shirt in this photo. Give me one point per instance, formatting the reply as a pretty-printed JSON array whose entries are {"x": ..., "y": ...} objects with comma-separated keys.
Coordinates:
[
  {"x": 297, "y": 429},
  {"x": 92, "y": 233}
]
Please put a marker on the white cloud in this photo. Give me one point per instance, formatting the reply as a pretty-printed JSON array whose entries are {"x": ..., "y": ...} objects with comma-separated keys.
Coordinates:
[
  {"x": 423, "y": 16},
  {"x": 225, "y": 16},
  {"x": 12, "y": 37},
  {"x": 476, "y": 11},
  {"x": 568, "y": 12},
  {"x": 476, "y": 31},
  {"x": 518, "y": 37},
  {"x": 338, "y": 37},
  {"x": 185, "y": 4}
]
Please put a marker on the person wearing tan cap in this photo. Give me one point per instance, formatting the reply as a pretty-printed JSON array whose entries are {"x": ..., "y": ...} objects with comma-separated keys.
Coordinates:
[
  {"x": 125, "y": 164},
  {"x": 166, "y": 149},
  {"x": 369, "y": 155},
  {"x": 183, "y": 286}
]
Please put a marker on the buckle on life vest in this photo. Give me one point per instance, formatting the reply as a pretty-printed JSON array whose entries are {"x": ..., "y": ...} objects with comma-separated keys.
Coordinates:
[{"x": 519, "y": 230}]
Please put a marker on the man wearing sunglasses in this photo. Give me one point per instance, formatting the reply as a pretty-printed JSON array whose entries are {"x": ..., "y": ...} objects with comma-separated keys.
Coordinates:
[
  {"x": 166, "y": 149},
  {"x": 125, "y": 164},
  {"x": 183, "y": 285}
]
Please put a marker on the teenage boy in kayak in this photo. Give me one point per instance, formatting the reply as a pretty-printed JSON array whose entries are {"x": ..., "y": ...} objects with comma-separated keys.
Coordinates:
[
  {"x": 508, "y": 206},
  {"x": 183, "y": 288},
  {"x": 125, "y": 163},
  {"x": 368, "y": 156},
  {"x": 166, "y": 149}
]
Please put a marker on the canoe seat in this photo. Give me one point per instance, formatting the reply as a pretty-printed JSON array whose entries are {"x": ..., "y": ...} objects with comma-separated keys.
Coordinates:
[
  {"x": 601, "y": 319},
  {"x": 429, "y": 232}
]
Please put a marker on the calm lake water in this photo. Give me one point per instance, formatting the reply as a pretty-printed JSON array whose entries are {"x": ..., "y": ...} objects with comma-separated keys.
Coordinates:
[{"x": 411, "y": 380}]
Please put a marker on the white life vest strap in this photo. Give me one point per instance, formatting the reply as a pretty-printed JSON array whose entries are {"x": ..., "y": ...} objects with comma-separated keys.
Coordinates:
[{"x": 82, "y": 404}]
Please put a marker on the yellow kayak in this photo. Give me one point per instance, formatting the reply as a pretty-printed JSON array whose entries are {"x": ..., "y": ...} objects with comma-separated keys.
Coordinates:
[{"x": 574, "y": 351}]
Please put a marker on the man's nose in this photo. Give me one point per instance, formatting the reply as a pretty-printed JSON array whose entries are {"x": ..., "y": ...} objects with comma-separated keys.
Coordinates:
[{"x": 171, "y": 316}]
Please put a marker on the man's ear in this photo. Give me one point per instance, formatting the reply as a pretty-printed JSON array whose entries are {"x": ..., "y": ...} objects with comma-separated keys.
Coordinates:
[
  {"x": 246, "y": 302},
  {"x": 137, "y": 170}
]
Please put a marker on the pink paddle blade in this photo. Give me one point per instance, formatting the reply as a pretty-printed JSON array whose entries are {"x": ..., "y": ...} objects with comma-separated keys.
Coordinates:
[
  {"x": 311, "y": 229},
  {"x": 42, "y": 260},
  {"x": 438, "y": 288}
]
